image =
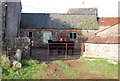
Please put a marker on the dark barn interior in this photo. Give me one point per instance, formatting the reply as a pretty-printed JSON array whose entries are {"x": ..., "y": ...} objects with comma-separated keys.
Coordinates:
[{"x": 57, "y": 51}]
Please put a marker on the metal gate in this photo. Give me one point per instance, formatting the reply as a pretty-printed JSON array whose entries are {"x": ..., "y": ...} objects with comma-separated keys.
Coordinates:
[{"x": 62, "y": 52}]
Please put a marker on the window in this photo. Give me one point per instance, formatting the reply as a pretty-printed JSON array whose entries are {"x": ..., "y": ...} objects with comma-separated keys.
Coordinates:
[
  {"x": 30, "y": 34},
  {"x": 73, "y": 35}
]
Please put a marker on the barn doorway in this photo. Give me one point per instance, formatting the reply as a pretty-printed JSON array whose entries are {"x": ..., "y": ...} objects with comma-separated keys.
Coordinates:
[{"x": 46, "y": 36}]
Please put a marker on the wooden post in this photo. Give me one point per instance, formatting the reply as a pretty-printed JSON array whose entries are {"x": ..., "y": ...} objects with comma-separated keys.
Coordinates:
[
  {"x": 30, "y": 48},
  {"x": 82, "y": 48},
  {"x": 66, "y": 52},
  {"x": 48, "y": 51}
]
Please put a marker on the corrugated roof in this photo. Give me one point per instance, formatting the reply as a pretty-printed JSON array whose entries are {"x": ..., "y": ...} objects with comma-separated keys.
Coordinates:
[{"x": 105, "y": 40}]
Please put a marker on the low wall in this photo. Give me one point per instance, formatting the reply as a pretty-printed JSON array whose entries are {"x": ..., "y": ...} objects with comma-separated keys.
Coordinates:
[
  {"x": 22, "y": 43},
  {"x": 109, "y": 51}
]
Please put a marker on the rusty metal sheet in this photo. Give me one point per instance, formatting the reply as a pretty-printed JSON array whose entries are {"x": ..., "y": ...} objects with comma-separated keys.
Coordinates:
[
  {"x": 110, "y": 39},
  {"x": 29, "y": 29},
  {"x": 105, "y": 40},
  {"x": 102, "y": 39},
  {"x": 94, "y": 39}
]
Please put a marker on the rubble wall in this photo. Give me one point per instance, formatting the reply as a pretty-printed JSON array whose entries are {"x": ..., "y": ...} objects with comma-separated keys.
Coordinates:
[
  {"x": 37, "y": 36},
  {"x": 101, "y": 50},
  {"x": 22, "y": 43}
]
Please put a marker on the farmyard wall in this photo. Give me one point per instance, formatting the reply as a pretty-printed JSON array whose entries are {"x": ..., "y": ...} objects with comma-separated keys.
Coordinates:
[
  {"x": 101, "y": 50},
  {"x": 37, "y": 35},
  {"x": 22, "y": 43}
]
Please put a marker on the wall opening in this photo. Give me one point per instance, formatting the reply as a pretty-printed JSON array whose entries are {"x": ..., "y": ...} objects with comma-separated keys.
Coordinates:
[
  {"x": 46, "y": 36},
  {"x": 30, "y": 34},
  {"x": 73, "y": 35}
]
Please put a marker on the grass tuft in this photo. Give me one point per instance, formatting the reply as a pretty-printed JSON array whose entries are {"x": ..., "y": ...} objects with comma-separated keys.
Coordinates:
[{"x": 30, "y": 70}]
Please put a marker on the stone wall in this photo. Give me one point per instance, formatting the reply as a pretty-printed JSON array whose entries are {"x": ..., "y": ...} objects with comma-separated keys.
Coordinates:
[
  {"x": 10, "y": 18},
  {"x": 101, "y": 50},
  {"x": 22, "y": 43},
  {"x": 2, "y": 24},
  {"x": 13, "y": 19},
  {"x": 9, "y": 21},
  {"x": 0, "y": 28},
  {"x": 37, "y": 36},
  {"x": 79, "y": 37},
  {"x": 3, "y": 19}
]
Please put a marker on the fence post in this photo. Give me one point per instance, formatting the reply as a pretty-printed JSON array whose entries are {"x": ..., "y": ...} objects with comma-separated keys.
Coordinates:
[
  {"x": 82, "y": 48},
  {"x": 30, "y": 48},
  {"x": 48, "y": 51},
  {"x": 66, "y": 52}
]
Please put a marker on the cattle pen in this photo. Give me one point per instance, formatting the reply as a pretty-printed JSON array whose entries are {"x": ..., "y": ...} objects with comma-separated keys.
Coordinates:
[{"x": 58, "y": 51}]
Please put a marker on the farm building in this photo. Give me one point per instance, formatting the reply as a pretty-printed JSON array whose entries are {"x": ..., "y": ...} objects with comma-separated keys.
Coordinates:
[
  {"x": 10, "y": 14},
  {"x": 79, "y": 25},
  {"x": 106, "y": 42},
  {"x": 40, "y": 27}
]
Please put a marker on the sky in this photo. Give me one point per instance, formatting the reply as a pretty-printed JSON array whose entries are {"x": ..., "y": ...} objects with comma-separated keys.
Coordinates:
[{"x": 106, "y": 8}]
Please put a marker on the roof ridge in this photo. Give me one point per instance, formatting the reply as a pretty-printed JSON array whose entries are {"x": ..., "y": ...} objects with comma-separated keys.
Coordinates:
[{"x": 84, "y": 8}]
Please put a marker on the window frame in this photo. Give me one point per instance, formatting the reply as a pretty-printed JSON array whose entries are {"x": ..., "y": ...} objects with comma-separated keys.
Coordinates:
[
  {"x": 73, "y": 35},
  {"x": 29, "y": 34}
]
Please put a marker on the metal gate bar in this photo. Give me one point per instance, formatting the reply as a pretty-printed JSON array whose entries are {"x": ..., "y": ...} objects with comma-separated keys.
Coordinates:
[{"x": 81, "y": 45}]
